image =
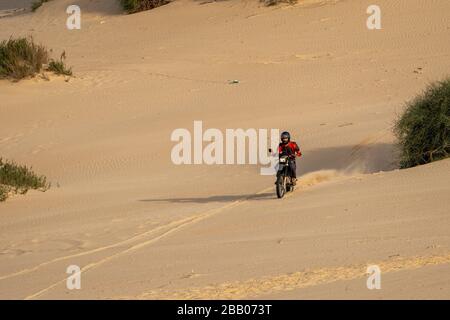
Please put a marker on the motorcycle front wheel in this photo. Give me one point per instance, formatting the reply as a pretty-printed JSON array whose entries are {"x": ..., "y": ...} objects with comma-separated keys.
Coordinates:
[{"x": 281, "y": 186}]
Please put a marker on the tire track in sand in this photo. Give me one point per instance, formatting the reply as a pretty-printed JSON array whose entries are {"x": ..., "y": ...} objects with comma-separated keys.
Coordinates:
[
  {"x": 170, "y": 225},
  {"x": 165, "y": 229},
  {"x": 170, "y": 228}
]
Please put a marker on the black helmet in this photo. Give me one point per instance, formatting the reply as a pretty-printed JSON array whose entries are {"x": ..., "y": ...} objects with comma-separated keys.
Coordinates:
[{"x": 285, "y": 135}]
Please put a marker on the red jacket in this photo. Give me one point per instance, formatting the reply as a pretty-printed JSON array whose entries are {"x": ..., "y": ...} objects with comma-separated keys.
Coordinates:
[{"x": 291, "y": 148}]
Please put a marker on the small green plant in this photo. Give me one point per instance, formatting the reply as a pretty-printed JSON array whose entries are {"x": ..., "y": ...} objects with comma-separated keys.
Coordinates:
[
  {"x": 20, "y": 58},
  {"x": 59, "y": 66},
  {"x": 133, "y": 6},
  {"x": 19, "y": 179},
  {"x": 36, "y": 4},
  {"x": 423, "y": 130}
]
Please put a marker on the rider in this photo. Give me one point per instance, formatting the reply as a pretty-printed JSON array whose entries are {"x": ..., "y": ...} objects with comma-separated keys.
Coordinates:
[{"x": 291, "y": 149}]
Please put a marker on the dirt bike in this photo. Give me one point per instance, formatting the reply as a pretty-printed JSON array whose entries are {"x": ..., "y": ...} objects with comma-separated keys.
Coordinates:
[{"x": 284, "y": 181}]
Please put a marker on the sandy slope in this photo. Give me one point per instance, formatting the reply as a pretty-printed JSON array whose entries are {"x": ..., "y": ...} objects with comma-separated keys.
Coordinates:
[{"x": 141, "y": 227}]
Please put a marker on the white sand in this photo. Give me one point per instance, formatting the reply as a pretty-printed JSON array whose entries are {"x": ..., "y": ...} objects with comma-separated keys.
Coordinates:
[{"x": 141, "y": 227}]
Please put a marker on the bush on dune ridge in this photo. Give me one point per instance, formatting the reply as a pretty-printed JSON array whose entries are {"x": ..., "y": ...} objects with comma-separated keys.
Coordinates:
[
  {"x": 133, "y": 6},
  {"x": 19, "y": 178},
  {"x": 275, "y": 2},
  {"x": 423, "y": 130},
  {"x": 22, "y": 57},
  {"x": 36, "y": 4}
]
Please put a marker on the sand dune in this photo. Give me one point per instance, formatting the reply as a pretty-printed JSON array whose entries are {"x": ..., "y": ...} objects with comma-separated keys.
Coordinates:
[{"x": 141, "y": 227}]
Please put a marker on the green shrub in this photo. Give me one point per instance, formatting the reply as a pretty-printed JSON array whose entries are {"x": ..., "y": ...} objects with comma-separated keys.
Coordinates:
[
  {"x": 36, "y": 4},
  {"x": 423, "y": 131},
  {"x": 275, "y": 2},
  {"x": 19, "y": 179},
  {"x": 133, "y": 6},
  {"x": 59, "y": 66},
  {"x": 20, "y": 58}
]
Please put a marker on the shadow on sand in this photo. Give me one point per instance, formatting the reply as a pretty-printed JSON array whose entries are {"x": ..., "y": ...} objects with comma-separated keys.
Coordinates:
[
  {"x": 362, "y": 158},
  {"x": 224, "y": 198}
]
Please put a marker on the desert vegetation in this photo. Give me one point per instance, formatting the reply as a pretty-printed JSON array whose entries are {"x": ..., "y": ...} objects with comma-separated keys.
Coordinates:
[
  {"x": 275, "y": 2},
  {"x": 59, "y": 66},
  {"x": 423, "y": 130},
  {"x": 133, "y": 6},
  {"x": 16, "y": 178},
  {"x": 22, "y": 57},
  {"x": 36, "y": 4}
]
